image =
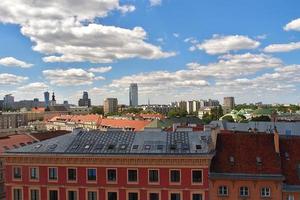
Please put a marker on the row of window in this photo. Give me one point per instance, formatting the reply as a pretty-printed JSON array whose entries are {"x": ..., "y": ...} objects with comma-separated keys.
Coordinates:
[
  {"x": 34, "y": 194},
  {"x": 111, "y": 175},
  {"x": 244, "y": 191}
]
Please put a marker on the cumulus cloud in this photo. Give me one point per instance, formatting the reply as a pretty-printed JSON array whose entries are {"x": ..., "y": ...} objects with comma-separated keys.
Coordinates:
[
  {"x": 13, "y": 62},
  {"x": 282, "y": 47},
  {"x": 36, "y": 86},
  {"x": 100, "y": 69},
  {"x": 155, "y": 2},
  {"x": 65, "y": 31},
  {"x": 224, "y": 44},
  {"x": 294, "y": 25},
  {"x": 11, "y": 79},
  {"x": 70, "y": 77}
]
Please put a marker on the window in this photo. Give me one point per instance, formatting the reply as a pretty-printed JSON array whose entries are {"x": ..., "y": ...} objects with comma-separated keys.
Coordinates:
[
  {"x": 17, "y": 173},
  {"x": 265, "y": 192},
  {"x": 34, "y": 194},
  {"x": 17, "y": 194},
  {"x": 112, "y": 196},
  {"x": 72, "y": 195},
  {"x": 34, "y": 173},
  {"x": 175, "y": 176},
  {"x": 153, "y": 196},
  {"x": 153, "y": 176},
  {"x": 133, "y": 196},
  {"x": 244, "y": 191},
  {"x": 91, "y": 195},
  {"x": 52, "y": 173},
  {"x": 72, "y": 174},
  {"x": 111, "y": 175},
  {"x": 132, "y": 175},
  {"x": 197, "y": 197},
  {"x": 290, "y": 197},
  {"x": 197, "y": 176},
  {"x": 175, "y": 196},
  {"x": 223, "y": 191},
  {"x": 53, "y": 195},
  {"x": 91, "y": 174}
]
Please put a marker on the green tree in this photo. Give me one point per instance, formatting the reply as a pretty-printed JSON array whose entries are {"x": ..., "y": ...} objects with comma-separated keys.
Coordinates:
[
  {"x": 177, "y": 112},
  {"x": 261, "y": 118},
  {"x": 97, "y": 110},
  {"x": 228, "y": 118}
]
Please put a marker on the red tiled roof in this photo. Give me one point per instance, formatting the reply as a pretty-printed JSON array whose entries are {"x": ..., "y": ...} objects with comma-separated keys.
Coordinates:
[
  {"x": 77, "y": 118},
  {"x": 48, "y": 135},
  {"x": 153, "y": 116},
  {"x": 290, "y": 159},
  {"x": 137, "y": 125},
  {"x": 13, "y": 141},
  {"x": 38, "y": 109},
  {"x": 245, "y": 148}
]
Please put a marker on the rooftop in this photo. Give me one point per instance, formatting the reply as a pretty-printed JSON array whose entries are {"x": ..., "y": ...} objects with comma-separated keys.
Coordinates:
[
  {"x": 119, "y": 142},
  {"x": 15, "y": 141}
]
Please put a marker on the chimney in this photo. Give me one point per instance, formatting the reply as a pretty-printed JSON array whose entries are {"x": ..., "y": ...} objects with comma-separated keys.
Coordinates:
[
  {"x": 276, "y": 140},
  {"x": 214, "y": 135}
]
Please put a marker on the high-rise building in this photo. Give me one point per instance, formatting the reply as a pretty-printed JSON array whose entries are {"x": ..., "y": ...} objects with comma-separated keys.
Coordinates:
[
  {"x": 46, "y": 98},
  {"x": 8, "y": 101},
  {"x": 110, "y": 105},
  {"x": 133, "y": 95},
  {"x": 228, "y": 104},
  {"x": 85, "y": 101},
  {"x": 189, "y": 107}
]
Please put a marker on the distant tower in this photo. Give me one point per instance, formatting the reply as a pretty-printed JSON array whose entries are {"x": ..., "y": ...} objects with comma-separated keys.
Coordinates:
[
  {"x": 228, "y": 104},
  {"x": 53, "y": 101},
  {"x": 110, "y": 105},
  {"x": 133, "y": 95},
  {"x": 85, "y": 101},
  {"x": 46, "y": 98}
]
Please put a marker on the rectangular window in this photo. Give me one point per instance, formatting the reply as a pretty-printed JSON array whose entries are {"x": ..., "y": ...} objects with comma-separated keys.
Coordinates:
[
  {"x": 175, "y": 176},
  {"x": 175, "y": 196},
  {"x": 72, "y": 195},
  {"x": 17, "y": 194},
  {"x": 34, "y": 194},
  {"x": 197, "y": 176},
  {"x": 92, "y": 195},
  {"x": 153, "y": 176},
  {"x": 17, "y": 172},
  {"x": 52, "y": 173},
  {"x": 244, "y": 191},
  {"x": 265, "y": 192},
  {"x": 34, "y": 173},
  {"x": 133, "y": 196},
  {"x": 72, "y": 175},
  {"x": 91, "y": 174},
  {"x": 112, "y": 196},
  {"x": 153, "y": 196},
  {"x": 53, "y": 195},
  {"x": 197, "y": 197},
  {"x": 290, "y": 197},
  {"x": 132, "y": 175},
  {"x": 111, "y": 175},
  {"x": 223, "y": 191}
]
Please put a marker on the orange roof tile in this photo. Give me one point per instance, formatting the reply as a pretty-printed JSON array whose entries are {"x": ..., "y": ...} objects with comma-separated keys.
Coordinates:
[
  {"x": 14, "y": 141},
  {"x": 137, "y": 125}
]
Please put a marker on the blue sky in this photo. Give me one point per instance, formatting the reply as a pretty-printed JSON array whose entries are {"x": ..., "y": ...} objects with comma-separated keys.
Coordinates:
[{"x": 173, "y": 49}]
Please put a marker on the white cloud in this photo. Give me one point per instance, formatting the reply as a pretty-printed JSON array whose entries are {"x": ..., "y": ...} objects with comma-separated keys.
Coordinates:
[
  {"x": 293, "y": 25},
  {"x": 176, "y": 35},
  {"x": 282, "y": 47},
  {"x": 13, "y": 62},
  {"x": 11, "y": 79},
  {"x": 155, "y": 2},
  {"x": 224, "y": 44},
  {"x": 100, "y": 70},
  {"x": 36, "y": 86},
  {"x": 70, "y": 77},
  {"x": 65, "y": 30}
]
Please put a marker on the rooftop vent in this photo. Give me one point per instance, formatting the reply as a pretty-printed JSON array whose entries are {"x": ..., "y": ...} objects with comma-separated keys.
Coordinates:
[
  {"x": 6, "y": 147},
  {"x": 258, "y": 160}
]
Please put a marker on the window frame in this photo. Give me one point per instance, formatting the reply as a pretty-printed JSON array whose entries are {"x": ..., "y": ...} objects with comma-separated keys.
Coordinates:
[
  {"x": 132, "y": 191},
  {"x": 52, "y": 189},
  {"x": 175, "y": 192},
  {"x": 221, "y": 188},
  {"x": 111, "y": 191},
  {"x": 32, "y": 188},
  {"x": 242, "y": 189},
  {"x": 13, "y": 173},
  {"x": 92, "y": 190},
  {"x": 72, "y": 190},
  {"x": 262, "y": 191},
  {"x": 109, "y": 181},
  {"x": 197, "y": 192},
  {"x": 158, "y": 177},
  {"x": 170, "y": 177},
  {"x": 192, "y": 177},
  {"x": 137, "y": 176},
  {"x": 37, "y": 172},
  {"x": 153, "y": 191},
  {"x": 13, "y": 194},
  {"x": 87, "y": 175},
  {"x": 76, "y": 175},
  {"x": 53, "y": 180}
]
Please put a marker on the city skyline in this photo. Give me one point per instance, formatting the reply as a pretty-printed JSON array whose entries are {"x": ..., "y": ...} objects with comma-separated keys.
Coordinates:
[{"x": 177, "y": 51}]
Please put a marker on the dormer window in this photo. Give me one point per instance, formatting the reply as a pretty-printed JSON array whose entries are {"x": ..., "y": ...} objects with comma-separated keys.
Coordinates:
[{"x": 258, "y": 161}]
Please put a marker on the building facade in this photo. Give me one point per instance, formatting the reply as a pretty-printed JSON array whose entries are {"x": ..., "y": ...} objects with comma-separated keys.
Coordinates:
[
  {"x": 47, "y": 98},
  {"x": 228, "y": 104},
  {"x": 133, "y": 95},
  {"x": 85, "y": 101},
  {"x": 110, "y": 105},
  {"x": 114, "y": 166}
]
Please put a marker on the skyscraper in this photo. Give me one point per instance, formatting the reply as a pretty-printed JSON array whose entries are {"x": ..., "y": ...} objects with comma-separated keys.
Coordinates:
[
  {"x": 110, "y": 105},
  {"x": 8, "y": 101},
  {"x": 133, "y": 95},
  {"x": 46, "y": 98},
  {"x": 85, "y": 101}
]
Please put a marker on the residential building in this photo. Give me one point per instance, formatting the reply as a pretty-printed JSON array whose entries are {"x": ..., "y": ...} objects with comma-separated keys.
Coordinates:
[
  {"x": 182, "y": 105},
  {"x": 110, "y": 105},
  {"x": 133, "y": 95},
  {"x": 157, "y": 108},
  {"x": 213, "y": 103},
  {"x": 228, "y": 104},
  {"x": 85, "y": 101},
  {"x": 189, "y": 106},
  {"x": 47, "y": 98},
  {"x": 80, "y": 110},
  {"x": 246, "y": 166},
  {"x": 110, "y": 166}
]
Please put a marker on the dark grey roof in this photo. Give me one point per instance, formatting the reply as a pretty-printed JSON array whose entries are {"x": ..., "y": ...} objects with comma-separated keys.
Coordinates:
[{"x": 119, "y": 142}]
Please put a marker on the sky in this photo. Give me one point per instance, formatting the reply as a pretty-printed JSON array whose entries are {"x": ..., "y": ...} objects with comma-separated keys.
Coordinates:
[{"x": 173, "y": 49}]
